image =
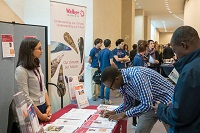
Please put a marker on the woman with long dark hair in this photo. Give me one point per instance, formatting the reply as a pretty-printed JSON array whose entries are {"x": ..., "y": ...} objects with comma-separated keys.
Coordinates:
[{"x": 30, "y": 78}]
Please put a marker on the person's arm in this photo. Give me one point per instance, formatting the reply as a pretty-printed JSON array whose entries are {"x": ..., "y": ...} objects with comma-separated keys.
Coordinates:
[
  {"x": 90, "y": 60},
  {"x": 125, "y": 59},
  {"x": 185, "y": 106},
  {"x": 90, "y": 56},
  {"x": 21, "y": 77},
  {"x": 111, "y": 60},
  {"x": 48, "y": 105}
]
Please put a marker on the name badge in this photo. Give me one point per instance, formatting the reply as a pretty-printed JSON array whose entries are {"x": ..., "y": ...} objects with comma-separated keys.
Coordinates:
[
  {"x": 42, "y": 99},
  {"x": 174, "y": 75}
]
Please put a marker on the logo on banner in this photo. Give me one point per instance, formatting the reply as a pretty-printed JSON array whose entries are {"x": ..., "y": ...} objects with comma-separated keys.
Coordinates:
[{"x": 74, "y": 12}]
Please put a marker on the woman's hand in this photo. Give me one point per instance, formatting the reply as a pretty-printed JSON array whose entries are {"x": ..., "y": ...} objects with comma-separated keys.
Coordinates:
[
  {"x": 48, "y": 110},
  {"x": 45, "y": 117}
]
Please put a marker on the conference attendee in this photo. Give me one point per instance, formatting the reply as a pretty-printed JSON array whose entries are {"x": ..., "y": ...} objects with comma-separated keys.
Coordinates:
[
  {"x": 127, "y": 53},
  {"x": 93, "y": 60},
  {"x": 133, "y": 52},
  {"x": 152, "y": 55},
  {"x": 183, "y": 113},
  {"x": 142, "y": 84},
  {"x": 105, "y": 57},
  {"x": 168, "y": 53},
  {"x": 140, "y": 58},
  {"x": 120, "y": 57},
  {"x": 30, "y": 78}
]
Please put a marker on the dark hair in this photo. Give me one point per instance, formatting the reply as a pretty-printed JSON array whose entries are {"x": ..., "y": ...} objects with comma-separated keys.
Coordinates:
[
  {"x": 150, "y": 41},
  {"x": 134, "y": 46},
  {"x": 142, "y": 45},
  {"x": 25, "y": 57},
  {"x": 125, "y": 46},
  {"x": 109, "y": 72},
  {"x": 185, "y": 34},
  {"x": 98, "y": 40},
  {"x": 119, "y": 41},
  {"x": 107, "y": 42}
]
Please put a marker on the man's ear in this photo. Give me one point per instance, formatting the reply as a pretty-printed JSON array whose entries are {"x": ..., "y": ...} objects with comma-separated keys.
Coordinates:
[{"x": 183, "y": 45}]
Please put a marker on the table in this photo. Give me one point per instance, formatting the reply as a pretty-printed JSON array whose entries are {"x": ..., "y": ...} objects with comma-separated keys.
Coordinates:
[
  {"x": 165, "y": 69},
  {"x": 121, "y": 126}
]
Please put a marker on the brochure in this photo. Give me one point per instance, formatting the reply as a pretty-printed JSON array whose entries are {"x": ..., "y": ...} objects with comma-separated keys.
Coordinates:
[
  {"x": 93, "y": 130},
  {"x": 69, "y": 122},
  {"x": 82, "y": 100},
  {"x": 107, "y": 107},
  {"x": 100, "y": 124}
]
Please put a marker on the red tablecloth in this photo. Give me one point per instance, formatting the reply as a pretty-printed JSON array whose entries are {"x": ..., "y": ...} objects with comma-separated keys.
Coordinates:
[{"x": 121, "y": 126}]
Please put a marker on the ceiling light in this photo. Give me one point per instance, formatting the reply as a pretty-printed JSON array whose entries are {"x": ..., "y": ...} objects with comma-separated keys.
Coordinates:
[
  {"x": 164, "y": 26},
  {"x": 169, "y": 10}
]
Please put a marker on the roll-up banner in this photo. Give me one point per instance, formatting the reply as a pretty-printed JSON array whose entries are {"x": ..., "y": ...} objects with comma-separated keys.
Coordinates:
[{"x": 67, "y": 48}]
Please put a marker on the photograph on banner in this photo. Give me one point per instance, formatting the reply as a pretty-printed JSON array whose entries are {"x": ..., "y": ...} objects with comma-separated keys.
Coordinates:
[
  {"x": 66, "y": 46},
  {"x": 7, "y": 46},
  {"x": 81, "y": 98}
]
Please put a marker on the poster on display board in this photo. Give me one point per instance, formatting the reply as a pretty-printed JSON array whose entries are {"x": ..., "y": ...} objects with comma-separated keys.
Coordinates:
[
  {"x": 66, "y": 47},
  {"x": 7, "y": 46}
]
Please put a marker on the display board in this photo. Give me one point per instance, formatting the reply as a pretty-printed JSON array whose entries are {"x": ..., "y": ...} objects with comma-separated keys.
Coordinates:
[{"x": 8, "y": 85}]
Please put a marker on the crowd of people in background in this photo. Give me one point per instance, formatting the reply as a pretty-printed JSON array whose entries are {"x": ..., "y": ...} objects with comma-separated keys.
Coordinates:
[
  {"x": 149, "y": 95},
  {"x": 146, "y": 53}
]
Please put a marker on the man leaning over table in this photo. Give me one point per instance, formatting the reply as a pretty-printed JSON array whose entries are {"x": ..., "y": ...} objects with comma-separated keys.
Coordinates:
[{"x": 142, "y": 84}]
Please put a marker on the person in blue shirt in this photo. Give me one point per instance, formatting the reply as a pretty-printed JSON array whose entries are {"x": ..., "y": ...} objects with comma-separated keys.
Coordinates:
[
  {"x": 142, "y": 84},
  {"x": 105, "y": 57},
  {"x": 93, "y": 60},
  {"x": 183, "y": 115},
  {"x": 139, "y": 59},
  {"x": 120, "y": 57}
]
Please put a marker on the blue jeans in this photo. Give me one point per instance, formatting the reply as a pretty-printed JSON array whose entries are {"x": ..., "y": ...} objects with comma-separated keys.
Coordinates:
[
  {"x": 102, "y": 92},
  {"x": 146, "y": 122}
]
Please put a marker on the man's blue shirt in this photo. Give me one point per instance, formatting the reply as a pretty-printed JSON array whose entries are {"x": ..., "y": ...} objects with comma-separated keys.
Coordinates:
[
  {"x": 120, "y": 54},
  {"x": 104, "y": 57},
  {"x": 94, "y": 55},
  {"x": 146, "y": 86}
]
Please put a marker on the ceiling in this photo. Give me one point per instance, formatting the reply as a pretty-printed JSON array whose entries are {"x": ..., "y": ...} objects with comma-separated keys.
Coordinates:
[{"x": 159, "y": 14}]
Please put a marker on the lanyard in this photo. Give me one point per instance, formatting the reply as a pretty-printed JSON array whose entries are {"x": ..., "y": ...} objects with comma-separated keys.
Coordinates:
[{"x": 39, "y": 78}]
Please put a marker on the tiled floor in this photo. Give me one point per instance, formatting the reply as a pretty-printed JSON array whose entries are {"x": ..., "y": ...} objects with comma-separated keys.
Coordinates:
[{"x": 158, "y": 127}]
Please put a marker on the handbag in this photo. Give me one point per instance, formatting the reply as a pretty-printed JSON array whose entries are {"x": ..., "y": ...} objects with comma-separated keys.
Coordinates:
[{"x": 97, "y": 76}]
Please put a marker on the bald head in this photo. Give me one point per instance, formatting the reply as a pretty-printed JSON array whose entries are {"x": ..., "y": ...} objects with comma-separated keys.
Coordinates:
[
  {"x": 185, "y": 40},
  {"x": 185, "y": 34}
]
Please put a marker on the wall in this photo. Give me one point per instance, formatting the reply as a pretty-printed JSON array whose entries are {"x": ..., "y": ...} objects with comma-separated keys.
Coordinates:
[
  {"x": 139, "y": 25},
  {"x": 165, "y": 37},
  {"x": 107, "y": 20},
  {"x": 127, "y": 26},
  {"x": 191, "y": 16},
  {"x": 157, "y": 36},
  {"x": 147, "y": 28},
  {"x": 7, "y": 14}
]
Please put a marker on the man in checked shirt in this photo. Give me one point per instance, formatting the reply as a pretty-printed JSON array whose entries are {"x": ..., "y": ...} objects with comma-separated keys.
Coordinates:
[{"x": 142, "y": 84}]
